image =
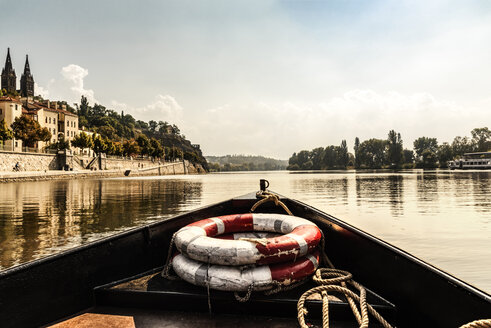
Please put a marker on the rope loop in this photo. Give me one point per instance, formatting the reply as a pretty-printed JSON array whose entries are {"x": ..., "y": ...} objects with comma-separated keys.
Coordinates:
[
  {"x": 247, "y": 296},
  {"x": 329, "y": 280},
  {"x": 268, "y": 196},
  {"x": 168, "y": 262}
]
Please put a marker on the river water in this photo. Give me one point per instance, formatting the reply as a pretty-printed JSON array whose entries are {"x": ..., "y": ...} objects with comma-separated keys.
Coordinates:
[{"x": 442, "y": 217}]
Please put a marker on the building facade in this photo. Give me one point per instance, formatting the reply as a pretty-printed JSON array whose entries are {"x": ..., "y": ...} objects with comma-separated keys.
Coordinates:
[
  {"x": 10, "y": 109},
  {"x": 49, "y": 114}
]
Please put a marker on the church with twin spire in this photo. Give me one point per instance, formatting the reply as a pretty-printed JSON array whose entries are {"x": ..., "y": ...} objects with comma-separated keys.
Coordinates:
[
  {"x": 9, "y": 79},
  {"x": 14, "y": 103}
]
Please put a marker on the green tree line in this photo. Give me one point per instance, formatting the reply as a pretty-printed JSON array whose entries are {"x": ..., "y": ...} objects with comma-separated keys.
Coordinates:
[
  {"x": 244, "y": 163},
  {"x": 390, "y": 153}
]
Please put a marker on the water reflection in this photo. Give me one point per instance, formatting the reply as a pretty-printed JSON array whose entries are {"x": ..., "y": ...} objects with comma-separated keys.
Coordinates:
[
  {"x": 427, "y": 192},
  {"x": 376, "y": 189},
  {"x": 333, "y": 190},
  {"x": 44, "y": 217}
]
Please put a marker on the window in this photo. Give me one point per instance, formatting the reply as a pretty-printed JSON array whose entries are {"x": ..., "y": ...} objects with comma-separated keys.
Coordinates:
[
  {"x": 50, "y": 120},
  {"x": 67, "y": 123},
  {"x": 0, "y": 111},
  {"x": 16, "y": 107},
  {"x": 46, "y": 119},
  {"x": 16, "y": 144},
  {"x": 54, "y": 121}
]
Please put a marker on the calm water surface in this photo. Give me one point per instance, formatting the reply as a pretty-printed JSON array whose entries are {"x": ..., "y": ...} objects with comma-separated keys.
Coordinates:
[{"x": 442, "y": 217}]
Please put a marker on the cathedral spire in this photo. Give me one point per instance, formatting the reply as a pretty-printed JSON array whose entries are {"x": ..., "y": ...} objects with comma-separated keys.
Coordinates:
[
  {"x": 27, "y": 69},
  {"x": 8, "y": 62},
  {"x": 9, "y": 79},
  {"x": 27, "y": 81}
]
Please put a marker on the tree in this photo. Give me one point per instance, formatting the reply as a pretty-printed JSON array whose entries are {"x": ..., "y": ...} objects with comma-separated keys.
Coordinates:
[
  {"x": 423, "y": 143},
  {"x": 99, "y": 146},
  {"x": 372, "y": 153},
  {"x": 131, "y": 148},
  {"x": 29, "y": 131},
  {"x": 118, "y": 148},
  {"x": 82, "y": 141},
  {"x": 84, "y": 106},
  {"x": 316, "y": 156},
  {"x": 481, "y": 137},
  {"x": 107, "y": 131},
  {"x": 152, "y": 126},
  {"x": 408, "y": 156},
  {"x": 343, "y": 157},
  {"x": 157, "y": 150},
  {"x": 461, "y": 146},
  {"x": 394, "y": 148},
  {"x": 293, "y": 162},
  {"x": 356, "y": 148},
  {"x": 5, "y": 132},
  {"x": 428, "y": 159},
  {"x": 144, "y": 144},
  {"x": 61, "y": 144},
  {"x": 330, "y": 157},
  {"x": 444, "y": 154}
]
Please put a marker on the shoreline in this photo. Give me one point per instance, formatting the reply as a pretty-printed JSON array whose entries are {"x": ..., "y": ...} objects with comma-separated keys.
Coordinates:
[{"x": 6, "y": 177}]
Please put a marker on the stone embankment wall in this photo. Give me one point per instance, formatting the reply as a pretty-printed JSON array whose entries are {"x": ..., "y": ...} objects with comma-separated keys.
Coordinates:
[
  {"x": 27, "y": 161},
  {"x": 126, "y": 164},
  {"x": 49, "y": 167}
]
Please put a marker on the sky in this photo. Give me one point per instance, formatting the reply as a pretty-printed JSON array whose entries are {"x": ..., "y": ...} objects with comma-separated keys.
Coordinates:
[{"x": 265, "y": 77}]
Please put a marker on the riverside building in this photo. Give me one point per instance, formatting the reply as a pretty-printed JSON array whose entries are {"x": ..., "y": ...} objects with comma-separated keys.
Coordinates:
[{"x": 49, "y": 114}]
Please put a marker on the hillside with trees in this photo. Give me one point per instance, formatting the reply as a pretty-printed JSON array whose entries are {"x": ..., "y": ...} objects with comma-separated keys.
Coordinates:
[
  {"x": 390, "y": 153},
  {"x": 244, "y": 163},
  {"x": 120, "y": 134}
]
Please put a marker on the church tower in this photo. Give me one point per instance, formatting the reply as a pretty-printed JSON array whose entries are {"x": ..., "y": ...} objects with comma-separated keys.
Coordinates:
[
  {"x": 9, "y": 79},
  {"x": 27, "y": 81}
]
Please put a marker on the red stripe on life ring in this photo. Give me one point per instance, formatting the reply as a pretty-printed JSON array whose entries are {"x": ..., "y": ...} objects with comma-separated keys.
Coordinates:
[
  {"x": 283, "y": 248},
  {"x": 292, "y": 272},
  {"x": 232, "y": 223},
  {"x": 208, "y": 225},
  {"x": 237, "y": 222}
]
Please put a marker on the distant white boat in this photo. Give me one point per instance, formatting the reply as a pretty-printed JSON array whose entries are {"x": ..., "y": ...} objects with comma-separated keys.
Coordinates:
[{"x": 476, "y": 161}]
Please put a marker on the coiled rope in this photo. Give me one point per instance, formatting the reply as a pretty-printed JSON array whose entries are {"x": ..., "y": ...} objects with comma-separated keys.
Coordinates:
[
  {"x": 483, "y": 323},
  {"x": 329, "y": 280}
]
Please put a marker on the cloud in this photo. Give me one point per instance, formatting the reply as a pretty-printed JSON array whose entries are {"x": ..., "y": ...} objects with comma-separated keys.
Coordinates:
[
  {"x": 39, "y": 90},
  {"x": 74, "y": 75},
  {"x": 163, "y": 108},
  {"x": 279, "y": 129}
]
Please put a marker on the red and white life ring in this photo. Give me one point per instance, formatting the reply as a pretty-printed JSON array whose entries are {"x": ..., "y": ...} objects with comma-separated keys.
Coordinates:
[
  {"x": 196, "y": 239},
  {"x": 235, "y": 278}
]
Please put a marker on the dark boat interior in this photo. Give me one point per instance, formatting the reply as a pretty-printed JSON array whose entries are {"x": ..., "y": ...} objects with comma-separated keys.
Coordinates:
[{"x": 119, "y": 278}]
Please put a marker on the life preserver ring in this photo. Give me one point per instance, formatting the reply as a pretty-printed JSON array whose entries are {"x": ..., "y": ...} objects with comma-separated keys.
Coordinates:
[
  {"x": 196, "y": 239},
  {"x": 235, "y": 278}
]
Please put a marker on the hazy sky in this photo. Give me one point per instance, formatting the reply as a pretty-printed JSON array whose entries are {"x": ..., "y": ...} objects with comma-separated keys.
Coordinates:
[{"x": 265, "y": 77}]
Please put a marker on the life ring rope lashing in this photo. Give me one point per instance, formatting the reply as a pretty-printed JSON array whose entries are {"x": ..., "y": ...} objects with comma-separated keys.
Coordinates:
[
  {"x": 236, "y": 278},
  {"x": 197, "y": 241}
]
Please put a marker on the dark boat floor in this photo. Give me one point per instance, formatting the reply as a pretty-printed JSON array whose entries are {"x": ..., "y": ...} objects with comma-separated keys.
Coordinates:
[{"x": 153, "y": 301}]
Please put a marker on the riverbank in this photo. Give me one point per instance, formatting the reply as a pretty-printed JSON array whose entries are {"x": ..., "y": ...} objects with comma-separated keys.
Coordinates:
[{"x": 165, "y": 169}]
